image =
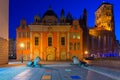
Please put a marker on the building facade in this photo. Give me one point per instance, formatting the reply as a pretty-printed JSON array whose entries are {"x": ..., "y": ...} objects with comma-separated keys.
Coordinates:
[
  {"x": 52, "y": 38},
  {"x": 4, "y": 31},
  {"x": 12, "y": 49},
  {"x": 49, "y": 39},
  {"x": 102, "y": 39}
]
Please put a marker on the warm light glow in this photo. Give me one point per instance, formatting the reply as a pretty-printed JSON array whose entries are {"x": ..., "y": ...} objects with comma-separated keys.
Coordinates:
[
  {"x": 22, "y": 45},
  {"x": 86, "y": 52},
  {"x": 109, "y": 29}
]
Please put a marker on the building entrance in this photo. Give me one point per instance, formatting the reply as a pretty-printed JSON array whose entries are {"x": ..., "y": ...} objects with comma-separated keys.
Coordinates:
[
  {"x": 50, "y": 54},
  {"x": 63, "y": 55}
]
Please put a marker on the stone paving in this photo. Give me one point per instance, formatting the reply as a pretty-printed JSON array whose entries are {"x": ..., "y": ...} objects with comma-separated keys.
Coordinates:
[
  {"x": 52, "y": 72},
  {"x": 113, "y": 73}
]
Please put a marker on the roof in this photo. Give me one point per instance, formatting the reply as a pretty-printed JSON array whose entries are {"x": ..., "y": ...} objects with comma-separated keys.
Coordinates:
[
  {"x": 103, "y": 4},
  {"x": 49, "y": 12}
]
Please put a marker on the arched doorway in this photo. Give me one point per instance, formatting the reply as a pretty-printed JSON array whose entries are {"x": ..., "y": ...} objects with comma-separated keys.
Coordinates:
[{"x": 50, "y": 53}]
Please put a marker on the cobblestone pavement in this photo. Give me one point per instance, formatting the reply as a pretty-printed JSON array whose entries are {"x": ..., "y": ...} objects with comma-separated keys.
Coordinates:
[{"x": 53, "y": 72}]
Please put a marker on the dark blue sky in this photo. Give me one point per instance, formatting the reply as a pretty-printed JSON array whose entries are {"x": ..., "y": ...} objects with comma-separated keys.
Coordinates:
[{"x": 29, "y": 8}]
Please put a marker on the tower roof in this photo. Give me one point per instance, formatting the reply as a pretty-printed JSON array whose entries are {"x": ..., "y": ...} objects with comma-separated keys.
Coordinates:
[{"x": 104, "y": 3}]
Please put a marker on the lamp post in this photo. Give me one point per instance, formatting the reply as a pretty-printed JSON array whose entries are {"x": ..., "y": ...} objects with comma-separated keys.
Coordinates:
[{"x": 22, "y": 47}]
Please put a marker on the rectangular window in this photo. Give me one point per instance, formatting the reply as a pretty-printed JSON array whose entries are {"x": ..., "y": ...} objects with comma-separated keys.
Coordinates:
[
  {"x": 78, "y": 36},
  {"x": 70, "y": 46},
  {"x": 36, "y": 41},
  {"x": 78, "y": 46},
  {"x": 74, "y": 46},
  {"x": 49, "y": 41},
  {"x": 62, "y": 41}
]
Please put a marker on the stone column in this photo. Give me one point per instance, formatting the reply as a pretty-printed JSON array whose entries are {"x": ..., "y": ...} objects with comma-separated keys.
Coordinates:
[
  {"x": 104, "y": 43},
  {"x": 58, "y": 50},
  {"x": 99, "y": 41},
  {"x": 41, "y": 46},
  {"x": 68, "y": 46},
  {"x": 31, "y": 46}
]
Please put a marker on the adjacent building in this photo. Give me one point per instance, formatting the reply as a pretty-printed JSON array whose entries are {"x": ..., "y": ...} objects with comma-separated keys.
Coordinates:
[
  {"x": 102, "y": 36},
  {"x": 12, "y": 49},
  {"x": 4, "y": 31}
]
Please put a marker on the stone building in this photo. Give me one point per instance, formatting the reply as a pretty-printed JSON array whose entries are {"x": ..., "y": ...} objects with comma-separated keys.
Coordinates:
[
  {"x": 12, "y": 49},
  {"x": 50, "y": 39},
  {"x": 4, "y": 31},
  {"x": 102, "y": 39},
  {"x": 54, "y": 38}
]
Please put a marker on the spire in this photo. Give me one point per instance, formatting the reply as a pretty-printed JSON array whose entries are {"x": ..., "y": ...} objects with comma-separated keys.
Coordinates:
[
  {"x": 85, "y": 11},
  {"x": 62, "y": 16},
  {"x": 85, "y": 17},
  {"x": 69, "y": 18},
  {"x": 23, "y": 23}
]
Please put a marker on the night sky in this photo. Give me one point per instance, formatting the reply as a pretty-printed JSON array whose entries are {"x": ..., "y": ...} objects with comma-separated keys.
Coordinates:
[{"x": 29, "y": 8}]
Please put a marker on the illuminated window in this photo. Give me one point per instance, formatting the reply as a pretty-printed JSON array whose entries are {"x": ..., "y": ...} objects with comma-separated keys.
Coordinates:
[
  {"x": 78, "y": 36},
  {"x": 74, "y": 36},
  {"x": 49, "y": 41},
  {"x": 36, "y": 41},
  {"x": 70, "y": 46},
  {"x": 62, "y": 41}
]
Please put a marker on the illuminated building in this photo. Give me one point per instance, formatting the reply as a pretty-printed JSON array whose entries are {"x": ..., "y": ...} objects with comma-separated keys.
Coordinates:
[
  {"x": 102, "y": 39},
  {"x": 52, "y": 38},
  {"x": 49, "y": 39},
  {"x": 4, "y": 31}
]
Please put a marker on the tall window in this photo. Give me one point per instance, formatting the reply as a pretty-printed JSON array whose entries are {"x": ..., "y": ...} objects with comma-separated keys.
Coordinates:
[
  {"x": 49, "y": 41},
  {"x": 78, "y": 36},
  {"x": 62, "y": 41},
  {"x": 36, "y": 41},
  {"x": 74, "y": 35},
  {"x": 74, "y": 46},
  {"x": 70, "y": 46},
  {"x": 78, "y": 46}
]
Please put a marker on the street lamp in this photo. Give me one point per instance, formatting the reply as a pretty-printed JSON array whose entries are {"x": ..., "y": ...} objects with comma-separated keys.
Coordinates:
[
  {"x": 86, "y": 53},
  {"x": 22, "y": 47}
]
